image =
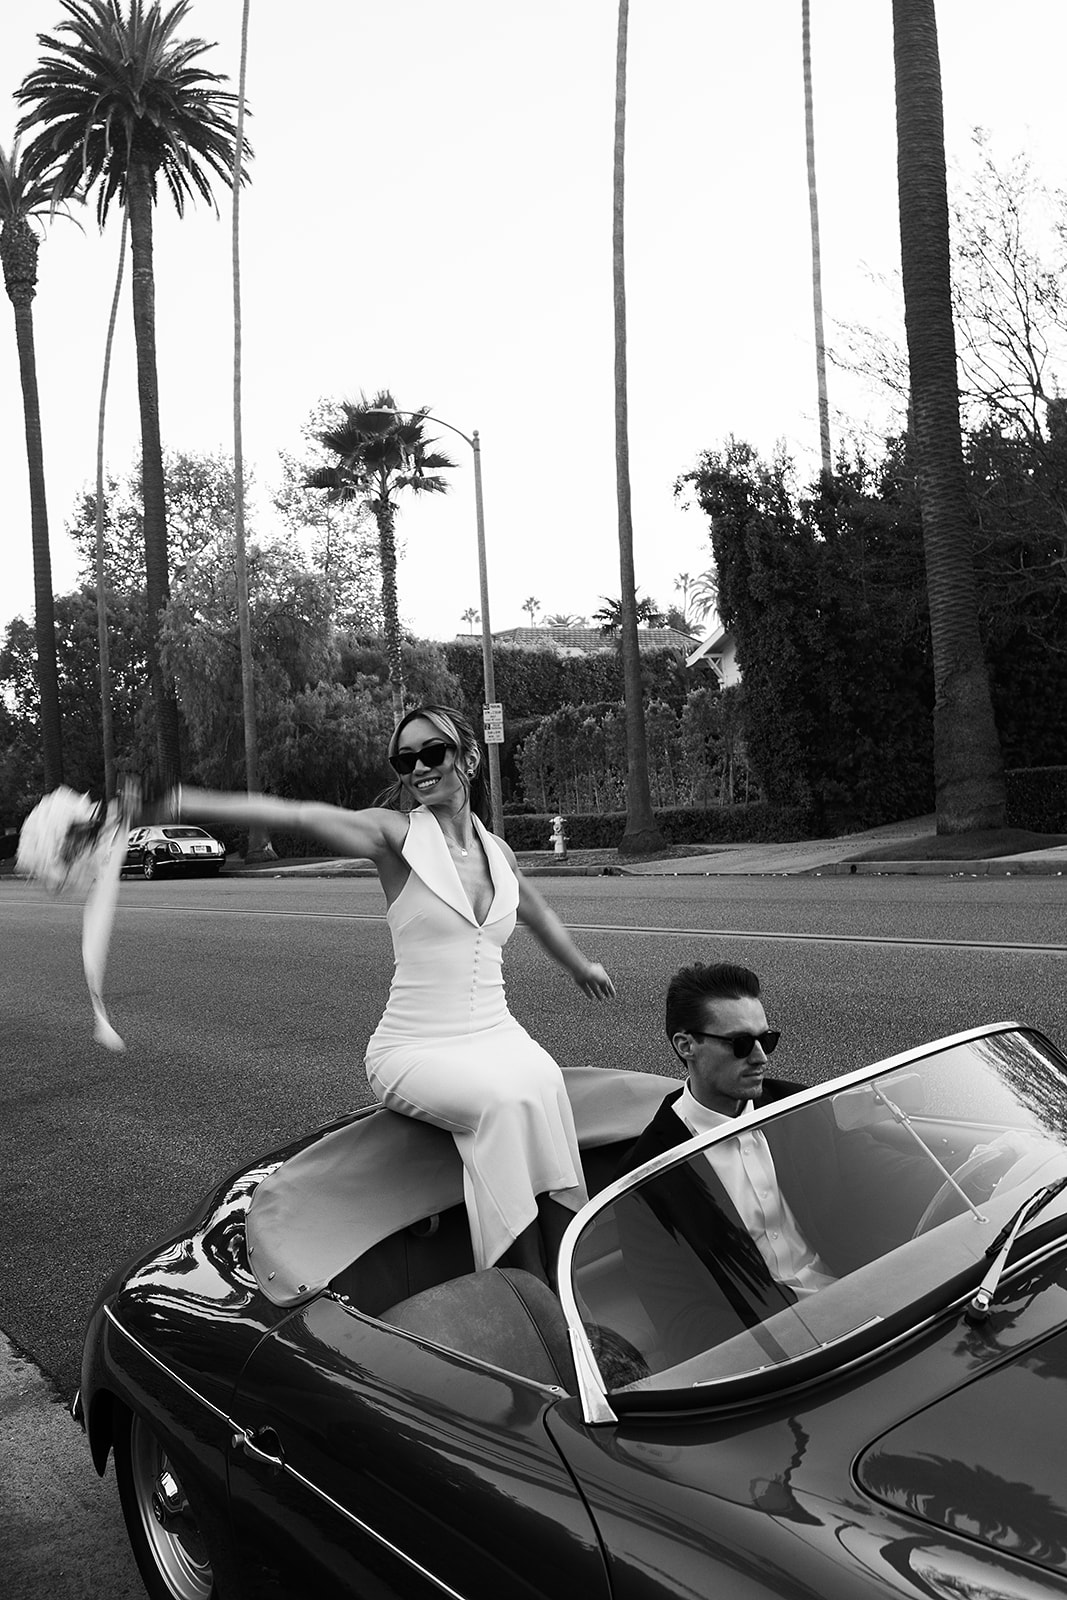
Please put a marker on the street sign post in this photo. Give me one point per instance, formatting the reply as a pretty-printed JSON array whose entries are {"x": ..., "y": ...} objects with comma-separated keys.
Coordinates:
[{"x": 493, "y": 723}]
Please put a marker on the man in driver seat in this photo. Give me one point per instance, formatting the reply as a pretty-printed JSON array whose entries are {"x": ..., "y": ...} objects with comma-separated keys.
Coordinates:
[{"x": 769, "y": 1216}]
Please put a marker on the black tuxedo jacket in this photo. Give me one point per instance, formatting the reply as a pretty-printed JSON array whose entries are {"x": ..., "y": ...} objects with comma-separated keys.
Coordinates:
[{"x": 854, "y": 1196}]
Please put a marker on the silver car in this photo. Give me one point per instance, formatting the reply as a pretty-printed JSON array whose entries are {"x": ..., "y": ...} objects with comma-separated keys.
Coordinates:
[{"x": 173, "y": 847}]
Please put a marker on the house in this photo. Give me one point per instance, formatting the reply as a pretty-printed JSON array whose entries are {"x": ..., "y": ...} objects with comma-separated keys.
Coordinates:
[{"x": 719, "y": 650}]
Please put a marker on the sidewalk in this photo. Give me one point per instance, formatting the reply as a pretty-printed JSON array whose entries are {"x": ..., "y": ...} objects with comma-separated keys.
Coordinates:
[
  {"x": 61, "y": 1530},
  {"x": 805, "y": 858}
]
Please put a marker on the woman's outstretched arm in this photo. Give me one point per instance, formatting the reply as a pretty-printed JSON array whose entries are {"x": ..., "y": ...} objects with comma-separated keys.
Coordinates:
[{"x": 368, "y": 833}]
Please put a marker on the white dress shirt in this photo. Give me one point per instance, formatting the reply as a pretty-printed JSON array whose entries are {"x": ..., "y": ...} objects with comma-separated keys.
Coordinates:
[{"x": 745, "y": 1168}]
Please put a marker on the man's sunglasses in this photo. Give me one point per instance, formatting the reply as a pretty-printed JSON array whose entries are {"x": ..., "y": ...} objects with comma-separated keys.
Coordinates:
[
  {"x": 431, "y": 755},
  {"x": 744, "y": 1043}
]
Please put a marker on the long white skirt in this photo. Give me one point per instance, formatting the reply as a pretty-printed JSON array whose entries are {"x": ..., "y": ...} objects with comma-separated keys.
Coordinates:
[{"x": 502, "y": 1098}]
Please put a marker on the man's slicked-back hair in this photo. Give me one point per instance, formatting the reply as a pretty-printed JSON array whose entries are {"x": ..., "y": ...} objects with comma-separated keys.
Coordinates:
[{"x": 692, "y": 987}]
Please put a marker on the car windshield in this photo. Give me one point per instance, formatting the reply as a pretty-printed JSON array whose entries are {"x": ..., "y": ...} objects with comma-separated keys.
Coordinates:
[
  {"x": 819, "y": 1232},
  {"x": 185, "y": 833}
]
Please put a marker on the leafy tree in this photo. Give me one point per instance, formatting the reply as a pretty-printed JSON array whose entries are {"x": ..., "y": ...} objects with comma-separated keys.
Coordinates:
[
  {"x": 293, "y": 648},
  {"x": 79, "y": 689},
  {"x": 200, "y": 495},
  {"x": 119, "y": 103},
  {"x": 967, "y": 760},
  {"x": 380, "y": 454},
  {"x": 25, "y": 195},
  {"x": 328, "y": 739},
  {"x": 824, "y": 595},
  {"x": 339, "y": 537}
]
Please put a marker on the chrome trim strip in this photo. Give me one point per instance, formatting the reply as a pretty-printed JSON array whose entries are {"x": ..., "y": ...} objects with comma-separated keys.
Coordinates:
[
  {"x": 173, "y": 1376},
  {"x": 372, "y": 1533}
]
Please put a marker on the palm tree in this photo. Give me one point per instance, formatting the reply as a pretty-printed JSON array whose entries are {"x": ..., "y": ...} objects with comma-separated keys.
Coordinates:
[
  {"x": 704, "y": 593},
  {"x": 380, "y": 453},
  {"x": 640, "y": 834},
  {"x": 120, "y": 103},
  {"x": 25, "y": 195},
  {"x": 610, "y": 615},
  {"x": 470, "y": 617},
  {"x": 259, "y": 845},
  {"x": 531, "y": 606},
  {"x": 968, "y": 772},
  {"x": 565, "y": 619},
  {"x": 103, "y": 647},
  {"x": 816, "y": 256}
]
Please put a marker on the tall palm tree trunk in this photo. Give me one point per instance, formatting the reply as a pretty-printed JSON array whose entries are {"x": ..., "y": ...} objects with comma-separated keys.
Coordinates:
[
  {"x": 383, "y": 514},
  {"x": 19, "y": 246},
  {"x": 259, "y": 844},
  {"x": 969, "y": 780},
  {"x": 640, "y": 835},
  {"x": 107, "y": 721},
  {"x": 157, "y": 568},
  {"x": 816, "y": 253}
]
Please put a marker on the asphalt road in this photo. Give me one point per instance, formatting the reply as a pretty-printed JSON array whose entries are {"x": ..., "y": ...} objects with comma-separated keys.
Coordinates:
[{"x": 246, "y": 1003}]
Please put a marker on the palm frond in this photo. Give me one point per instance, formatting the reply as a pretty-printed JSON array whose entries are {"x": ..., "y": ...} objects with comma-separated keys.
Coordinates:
[{"x": 114, "y": 91}]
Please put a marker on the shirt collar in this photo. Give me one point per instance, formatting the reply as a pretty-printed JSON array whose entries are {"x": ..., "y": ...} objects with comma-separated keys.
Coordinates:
[{"x": 701, "y": 1118}]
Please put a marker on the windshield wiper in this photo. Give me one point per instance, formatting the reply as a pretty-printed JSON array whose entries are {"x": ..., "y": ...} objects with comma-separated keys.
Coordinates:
[{"x": 979, "y": 1308}]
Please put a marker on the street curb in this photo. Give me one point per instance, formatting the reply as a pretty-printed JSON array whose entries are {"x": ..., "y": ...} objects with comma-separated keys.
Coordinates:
[{"x": 1003, "y": 867}]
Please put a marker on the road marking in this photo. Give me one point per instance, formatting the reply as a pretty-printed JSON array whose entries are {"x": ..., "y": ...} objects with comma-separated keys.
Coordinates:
[{"x": 648, "y": 933}]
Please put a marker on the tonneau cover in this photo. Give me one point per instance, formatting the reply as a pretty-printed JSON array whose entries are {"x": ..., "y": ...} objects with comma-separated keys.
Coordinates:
[{"x": 324, "y": 1208}]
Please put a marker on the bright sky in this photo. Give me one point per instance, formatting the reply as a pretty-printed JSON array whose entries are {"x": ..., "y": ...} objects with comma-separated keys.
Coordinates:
[{"x": 430, "y": 212}]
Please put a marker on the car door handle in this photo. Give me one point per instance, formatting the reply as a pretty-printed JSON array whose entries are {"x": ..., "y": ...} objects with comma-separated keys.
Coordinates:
[{"x": 262, "y": 1444}]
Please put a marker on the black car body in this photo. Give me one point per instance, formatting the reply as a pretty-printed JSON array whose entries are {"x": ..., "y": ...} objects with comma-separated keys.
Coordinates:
[
  {"x": 309, "y": 1392},
  {"x": 173, "y": 847}
]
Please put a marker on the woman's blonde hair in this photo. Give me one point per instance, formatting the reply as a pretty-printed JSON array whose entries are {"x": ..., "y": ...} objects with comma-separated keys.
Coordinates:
[{"x": 457, "y": 731}]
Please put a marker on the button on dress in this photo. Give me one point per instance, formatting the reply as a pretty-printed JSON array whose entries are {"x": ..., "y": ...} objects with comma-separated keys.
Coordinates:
[{"x": 448, "y": 1050}]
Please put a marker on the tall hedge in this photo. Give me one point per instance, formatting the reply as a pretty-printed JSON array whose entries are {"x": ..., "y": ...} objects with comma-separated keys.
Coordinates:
[{"x": 534, "y": 681}]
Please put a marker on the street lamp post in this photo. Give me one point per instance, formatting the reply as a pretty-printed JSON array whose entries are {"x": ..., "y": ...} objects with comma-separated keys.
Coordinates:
[{"x": 488, "y": 678}]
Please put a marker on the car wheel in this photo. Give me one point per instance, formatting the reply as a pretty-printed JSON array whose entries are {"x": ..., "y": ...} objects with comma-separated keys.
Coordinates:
[
  {"x": 148, "y": 866},
  {"x": 168, "y": 1545}
]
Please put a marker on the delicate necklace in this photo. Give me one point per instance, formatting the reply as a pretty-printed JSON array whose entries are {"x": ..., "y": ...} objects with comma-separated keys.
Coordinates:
[{"x": 456, "y": 849}]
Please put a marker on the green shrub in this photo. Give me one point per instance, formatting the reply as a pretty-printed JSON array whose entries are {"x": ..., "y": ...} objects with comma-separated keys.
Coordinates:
[
  {"x": 1037, "y": 798},
  {"x": 678, "y": 824}
]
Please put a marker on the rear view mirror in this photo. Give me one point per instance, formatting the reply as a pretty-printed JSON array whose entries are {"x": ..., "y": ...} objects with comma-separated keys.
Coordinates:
[{"x": 879, "y": 1101}]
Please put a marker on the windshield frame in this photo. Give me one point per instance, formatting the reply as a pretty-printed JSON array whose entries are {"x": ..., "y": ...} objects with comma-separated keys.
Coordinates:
[{"x": 596, "y": 1401}]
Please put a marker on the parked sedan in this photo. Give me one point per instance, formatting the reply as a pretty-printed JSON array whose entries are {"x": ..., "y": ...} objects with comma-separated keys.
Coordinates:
[
  {"x": 309, "y": 1391},
  {"x": 174, "y": 847}
]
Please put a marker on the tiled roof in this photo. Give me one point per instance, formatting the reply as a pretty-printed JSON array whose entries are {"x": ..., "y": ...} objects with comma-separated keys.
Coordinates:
[{"x": 591, "y": 639}]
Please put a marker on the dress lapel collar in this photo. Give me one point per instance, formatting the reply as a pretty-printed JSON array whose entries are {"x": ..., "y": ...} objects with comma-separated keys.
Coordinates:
[
  {"x": 426, "y": 853},
  {"x": 505, "y": 883}
]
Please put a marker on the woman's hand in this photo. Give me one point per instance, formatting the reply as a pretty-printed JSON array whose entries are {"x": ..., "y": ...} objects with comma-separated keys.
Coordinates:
[{"x": 593, "y": 980}]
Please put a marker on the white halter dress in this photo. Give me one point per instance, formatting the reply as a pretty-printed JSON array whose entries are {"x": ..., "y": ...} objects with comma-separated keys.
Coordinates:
[{"x": 448, "y": 1050}]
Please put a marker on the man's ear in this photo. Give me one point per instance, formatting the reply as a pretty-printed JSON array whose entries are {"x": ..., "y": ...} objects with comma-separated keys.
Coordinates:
[{"x": 683, "y": 1044}]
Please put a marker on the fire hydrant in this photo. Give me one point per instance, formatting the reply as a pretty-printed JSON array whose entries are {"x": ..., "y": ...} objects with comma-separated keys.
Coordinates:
[{"x": 558, "y": 839}]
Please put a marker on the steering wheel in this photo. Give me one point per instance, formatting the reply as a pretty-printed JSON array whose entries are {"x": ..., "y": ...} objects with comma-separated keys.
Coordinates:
[{"x": 977, "y": 1176}]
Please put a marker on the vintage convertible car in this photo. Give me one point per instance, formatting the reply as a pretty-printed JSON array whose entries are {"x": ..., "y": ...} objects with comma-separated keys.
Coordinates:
[{"x": 309, "y": 1392}]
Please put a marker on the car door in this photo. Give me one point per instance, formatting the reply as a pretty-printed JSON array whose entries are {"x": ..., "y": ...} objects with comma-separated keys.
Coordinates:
[{"x": 370, "y": 1463}]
